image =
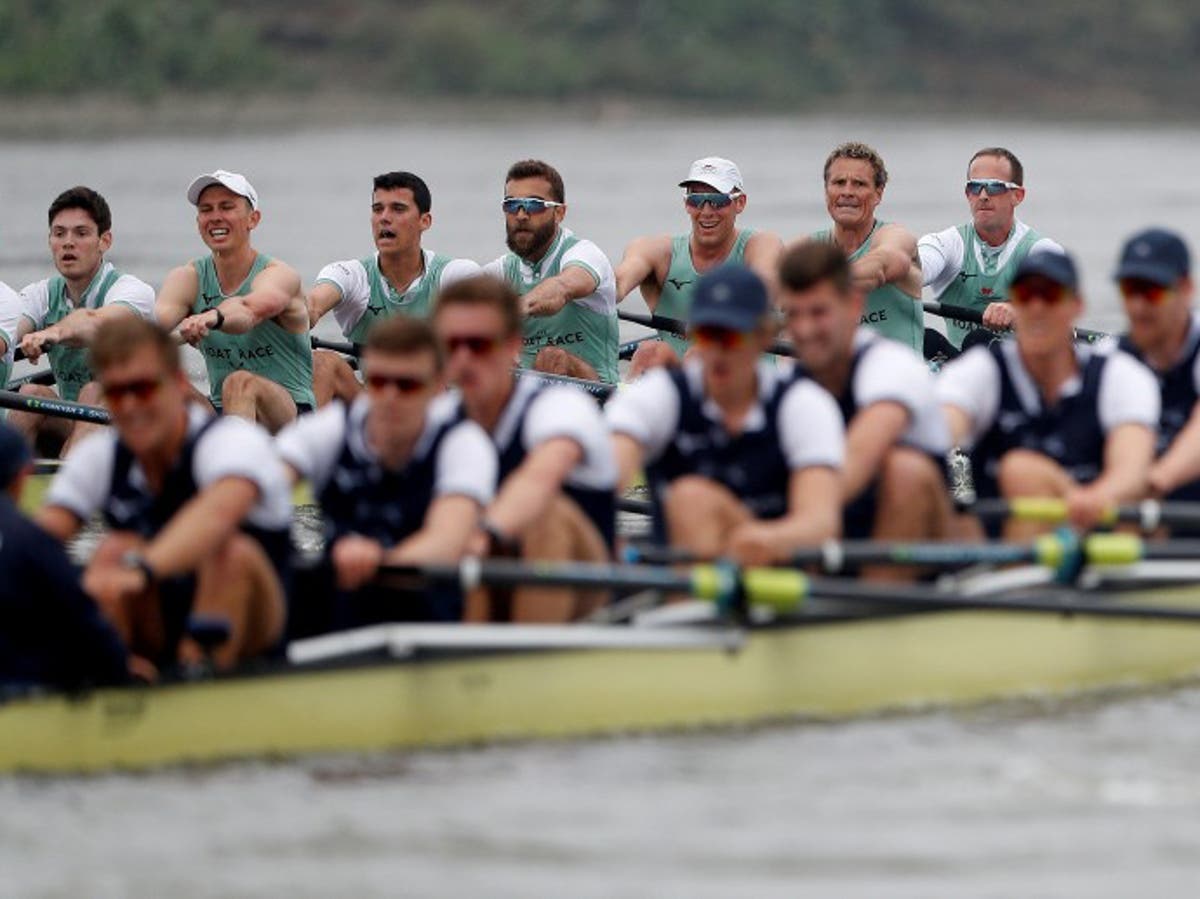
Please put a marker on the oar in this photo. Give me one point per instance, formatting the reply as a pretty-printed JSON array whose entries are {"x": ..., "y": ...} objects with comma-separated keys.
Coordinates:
[
  {"x": 675, "y": 326},
  {"x": 10, "y": 399},
  {"x": 1148, "y": 515},
  {"x": 780, "y": 589},
  {"x": 975, "y": 316}
]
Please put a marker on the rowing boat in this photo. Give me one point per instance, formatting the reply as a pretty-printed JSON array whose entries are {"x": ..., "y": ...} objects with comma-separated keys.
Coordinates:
[{"x": 405, "y": 686}]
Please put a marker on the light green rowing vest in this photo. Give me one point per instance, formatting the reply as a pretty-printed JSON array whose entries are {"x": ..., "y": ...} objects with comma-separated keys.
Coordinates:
[
  {"x": 675, "y": 301},
  {"x": 386, "y": 301},
  {"x": 590, "y": 335},
  {"x": 69, "y": 364},
  {"x": 889, "y": 310},
  {"x": 975, "y": 288},
  {"x": 267, "y": 349}
]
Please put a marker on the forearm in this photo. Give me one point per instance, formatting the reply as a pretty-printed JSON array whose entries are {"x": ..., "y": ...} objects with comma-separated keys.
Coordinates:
[
  {"x": 77, "y": 329},
  {"x": 200, "y": 527},
  {"x": 444, "y": 536},
  {"x": 238, "y": 317},
  {"x": 522, "y": 500},
  {"x": 548, "y": 298},
  {"x": 1127, "y": 465},
  {"x": 1180, "y": 464}
]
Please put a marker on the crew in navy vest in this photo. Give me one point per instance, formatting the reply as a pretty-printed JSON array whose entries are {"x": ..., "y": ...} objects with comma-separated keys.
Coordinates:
[
  {"x": 400, "y": 476},
  {"x": 557, "y": 476},
  {"x": 894, "y": 481},
  {"x": 744, "y": 460},
  {"x": 51, "y": 632},
  {"x": 1154, "y": 276},
  {"x": 198, "y": 508},
  {"x": 1043, "y": 416}
]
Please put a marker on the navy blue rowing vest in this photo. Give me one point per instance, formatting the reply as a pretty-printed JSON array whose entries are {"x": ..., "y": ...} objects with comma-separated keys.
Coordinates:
[
  {"x": 751, "y": 464},
  {"x": 1068, "y": 432},
  {"x": 600, "y": 506},
  {"x": 363, "y": 497}
]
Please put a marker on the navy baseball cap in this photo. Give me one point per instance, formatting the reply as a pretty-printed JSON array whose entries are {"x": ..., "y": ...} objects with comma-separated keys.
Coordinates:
[
  {"x": 1058, "y": 267},
  {"x": 14, "y": 455},
  {"x": 1155, "y": 255},
  {"x": 730, "y": 296}
]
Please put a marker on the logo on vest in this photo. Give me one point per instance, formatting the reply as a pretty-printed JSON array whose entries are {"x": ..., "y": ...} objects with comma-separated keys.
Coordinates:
[
  {"x": 678, "y": 284},
  {"x": 874, "y": 317}
]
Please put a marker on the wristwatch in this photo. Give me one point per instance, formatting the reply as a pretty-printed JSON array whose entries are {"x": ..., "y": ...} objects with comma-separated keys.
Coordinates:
[
  {"x": 220, "y": 319},
  {"x": 134, "y": 559}
]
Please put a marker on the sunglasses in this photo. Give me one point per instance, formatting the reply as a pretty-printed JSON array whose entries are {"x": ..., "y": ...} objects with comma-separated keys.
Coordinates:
[
  {"x": 1148, "y": 290},
  {"x": 716, "y": 201},
  {"x": 402, "y": 383},
  {"x": 1025, "y": 291},
  {"x": 140, "y": 389},
  {"x": 716, "y": 336},
  {"x": 993, "y": 186},
  {"x": 531, "y": 205},
  {"x": 475, "y": 344}
]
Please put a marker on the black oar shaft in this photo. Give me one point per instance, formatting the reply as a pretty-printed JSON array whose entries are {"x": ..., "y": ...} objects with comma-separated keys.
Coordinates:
[
  {"x": 678, "y": 328},
  {"x": 975, "y": 316},
  {"x": 10, "y": 399}
]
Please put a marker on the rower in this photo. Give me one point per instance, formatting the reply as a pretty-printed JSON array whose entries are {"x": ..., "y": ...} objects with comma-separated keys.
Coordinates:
[
  {"x": 400, "y": 276},
  {"x": 971, "y": 264},
  {"x": 197, "y": 507},
  {"x": 1044, "y": 417},
  {"x": 666, "y": 268},
  {"x": 401, "y": 477},
  {"x": 557, "y": 477},
  {"x": 51, "y": 632},
  {"x": 566, "y": 284},
  {"x": 10, "y": 319},
  {"x": 894, "y": 483},
  {"x": 244, "y": 310},
  {"x": 883, "y": 256},
  {"x": 744, "y": 461},
  {"x": 1154, "y": 277},
  {"x": 60, "y": 315}
]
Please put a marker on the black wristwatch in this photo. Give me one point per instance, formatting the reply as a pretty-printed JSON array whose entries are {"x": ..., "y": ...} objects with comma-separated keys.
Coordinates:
[
  {"x": 220, "y": 319},
  {"x": 134, "y": 559}
]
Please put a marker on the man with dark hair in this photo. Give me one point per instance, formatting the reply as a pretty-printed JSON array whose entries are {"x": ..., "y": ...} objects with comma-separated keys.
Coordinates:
[
  {"x": 557, "y": 479},
  {"x": 567, "y": 286},
  {"x": 666, "y": 268},
  {"x": 60, "y": 315},
  {"x": 744, "y": 460},
  {"x": 399, "y": 475},
  {"x": 971, "y": 264},
  {"x": 893, "y": 483},
  {"x": 198, "y": 507},
  {"x": 400, "y": 277},
  {"x": 883, "y": 256},
  {"x": 51, "y": 632},
  {"x": 243, "y": 309}
]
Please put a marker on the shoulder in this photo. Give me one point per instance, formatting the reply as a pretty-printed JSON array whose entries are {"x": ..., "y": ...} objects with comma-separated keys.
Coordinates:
[
  {"x": 893, "y": 234},
  {"x": 653, "y": 247},
  {"x": 495, "y": 268},
  {"x": 457, "y": 270},
  {"x": 584, "y": 251},
  {"x": 946, "y": 238}
]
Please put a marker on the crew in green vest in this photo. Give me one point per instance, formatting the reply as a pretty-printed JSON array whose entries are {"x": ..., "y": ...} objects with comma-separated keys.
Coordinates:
[
  {"x": 244, "y": 310},
  {"x": 666, "y": 268},
  {"x": 882, "y": 255},
  {"x": 566, "y": 284},
  {"x": 972, "y": 264},
  {"x": 60, "y": 315},
  {"x": 400, "y": 277}
]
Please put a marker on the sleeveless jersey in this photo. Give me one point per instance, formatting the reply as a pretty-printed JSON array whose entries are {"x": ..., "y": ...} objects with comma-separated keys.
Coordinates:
[
  {"x": 69, "y": 364},
  {"x": 600, "y": 506},
  {"x": 583, "y": 332},
  {"x": 889, "y": 310},
  {"x": 1069, "y": 432},
  {"x": 363, "y": 497},
  {"x": 751, "y": 464},
  {"x": 675, "y": 301},
  {"x": 973, "y": 287},
  {"x": 386, "y": 301},
  {"x": 267, "y": 349}
]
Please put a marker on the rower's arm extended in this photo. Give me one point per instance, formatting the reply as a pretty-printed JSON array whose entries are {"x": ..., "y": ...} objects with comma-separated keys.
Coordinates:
[
  {"x": 443, "y": 538},
  {"x": 321, "y": 299},
  {"x": 76, "y": 329},
  {"x": 176, "y": 296},
  {"x": 527, "y": 492},
  {"x": 572, "y": 283},
  {"x": 644, "y": 265},
  {"x": 201, "y": 526},
  {"x": 1180, "y": 464},
  {"x": 629, "y": 454},
  {"x": 872, "y": 432},
  {"x": 271, "y": 295},
  {"x": 1128, "y": 454},
  {"x": 763, "y": 251},
  {"x": 814, "y": 515},
  {"x": 892, "y": 259}
]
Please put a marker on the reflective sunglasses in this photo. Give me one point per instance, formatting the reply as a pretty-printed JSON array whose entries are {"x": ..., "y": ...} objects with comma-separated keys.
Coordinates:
[
  {"x": 716, "y": 201},
  {"x": 716, "y": 336},
  {"x": 402, "y": 383},
  {"x": 475, "y": 344},
  {"x": 1025, "y": 291},
  {"x": 140, "y": 389},
  {"x": 993, "y": 186},
  {"x": 1149, "y": 291},
  {"x": 531, "y": 205}
]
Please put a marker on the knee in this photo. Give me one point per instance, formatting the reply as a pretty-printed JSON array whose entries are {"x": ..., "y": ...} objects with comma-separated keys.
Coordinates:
[
  {"x": 1024, "y": 472},
  {"x": 91, "y": 394},
  {"x": 40, "y": 390},
  {"x": 652, "y": 354},
  {"x": 905, "y": 470},
  {"x": 553, "y": 360},
  {"x": 327, "y": 364},
  {"x": 239, "y": 386},
  {"x": 689, "y": 496}
]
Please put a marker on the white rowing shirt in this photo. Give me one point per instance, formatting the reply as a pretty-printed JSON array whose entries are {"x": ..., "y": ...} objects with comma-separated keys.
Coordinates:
[
  {"x": 465, "y": 464},
  {"x": 943, "y": 254},
  {"x": 10, "y": 317},
  {"x": 126, "y": 290},
  {"x": 231, "y": 447}
]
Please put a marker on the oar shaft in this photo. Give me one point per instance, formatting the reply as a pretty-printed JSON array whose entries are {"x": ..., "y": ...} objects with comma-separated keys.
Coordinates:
[
  {"x": 1148, "y": 515},
  {"x": 679, "y": 328},
  {"x": 10, "y": 399},
  {"x": 975, "y": 316}
]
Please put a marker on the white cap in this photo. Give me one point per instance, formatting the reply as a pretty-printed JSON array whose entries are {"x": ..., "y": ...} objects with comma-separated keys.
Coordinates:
[
  {"x": 717, "y": 172},
  {"x": 235, "y": 182}
]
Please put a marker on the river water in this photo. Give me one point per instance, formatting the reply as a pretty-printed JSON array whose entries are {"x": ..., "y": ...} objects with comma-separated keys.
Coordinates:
[{"x": 1086, "y": 797}]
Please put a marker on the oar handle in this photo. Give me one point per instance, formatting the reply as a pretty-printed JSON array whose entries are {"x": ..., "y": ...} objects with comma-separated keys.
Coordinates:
[{"x": 975, "y": 316}]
